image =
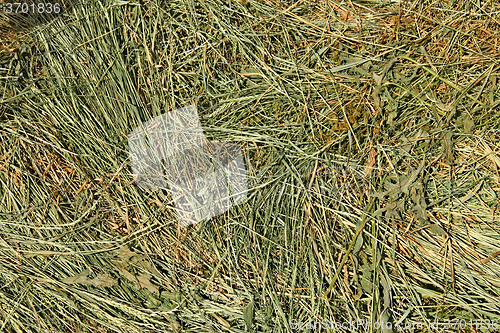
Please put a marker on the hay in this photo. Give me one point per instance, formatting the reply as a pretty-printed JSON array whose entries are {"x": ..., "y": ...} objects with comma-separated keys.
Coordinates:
[{"x": 370, "y": 133}]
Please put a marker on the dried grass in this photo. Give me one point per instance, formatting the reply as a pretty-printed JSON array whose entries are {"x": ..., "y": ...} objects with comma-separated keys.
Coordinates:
[{"x": 370, "y": 132}]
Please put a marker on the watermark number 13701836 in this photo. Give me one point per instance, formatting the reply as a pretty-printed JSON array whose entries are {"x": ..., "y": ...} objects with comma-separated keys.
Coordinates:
[{"x": 30, "y": 8}]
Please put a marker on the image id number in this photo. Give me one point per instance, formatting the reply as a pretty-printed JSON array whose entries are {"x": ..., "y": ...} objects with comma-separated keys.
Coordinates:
[{"x": 23, "y": 7}]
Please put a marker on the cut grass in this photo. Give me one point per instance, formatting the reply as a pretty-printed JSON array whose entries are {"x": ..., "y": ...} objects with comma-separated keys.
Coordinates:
[{"x": 370, "y": 133}]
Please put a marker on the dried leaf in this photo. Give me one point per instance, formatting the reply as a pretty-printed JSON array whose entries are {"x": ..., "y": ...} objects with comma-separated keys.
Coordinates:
[
  {"x": 148, "y": 266},
  {"x": 390, "y": 119},
  {"x": 420, "y": 206},
  {"x": 129, "y": 276},
  {"x": 174, "y": 323},
  {"x": 359, "y": 244},
  {"x": 72, "y": 279},
  {"x": 386, "y": 291},
  {"x": 366, "y": 280},
  {"x": 221, "y": 320},
  {"x": 248, "y": 315},
  {"x": 405, "y": 187},
  {"x": 468, "y": 125},
  {"x": 141, "y": 281},
  {"x": 373, "y": 154},
  {"x": 101, "y": 280},
  {"x": 174, "y": 296},
  {"x": 402, "y": 186},
  {"x": 436, "y": 229},
  {"x": 385, "y": 318},
  {"x": 376, "y": 98},
  {"x": 125, "y": 254},
  {"x": 448, "y": 146},
  {"x": 145, "y": 283},
  {"x": 378, "y": 79}
]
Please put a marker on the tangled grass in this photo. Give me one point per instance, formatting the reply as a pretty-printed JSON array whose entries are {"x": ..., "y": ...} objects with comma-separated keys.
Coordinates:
[{"x": 371, "y": 140}]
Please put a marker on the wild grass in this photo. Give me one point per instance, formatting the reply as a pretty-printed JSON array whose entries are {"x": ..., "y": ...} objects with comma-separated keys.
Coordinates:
[{"x": 370, "y": 136}]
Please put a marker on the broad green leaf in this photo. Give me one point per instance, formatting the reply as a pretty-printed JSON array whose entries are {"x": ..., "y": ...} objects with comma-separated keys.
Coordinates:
[{"x": 248, "y": 315}]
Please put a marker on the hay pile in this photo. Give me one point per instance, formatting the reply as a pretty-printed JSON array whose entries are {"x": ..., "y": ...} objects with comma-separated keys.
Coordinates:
[{"x": 371, "y": 138}]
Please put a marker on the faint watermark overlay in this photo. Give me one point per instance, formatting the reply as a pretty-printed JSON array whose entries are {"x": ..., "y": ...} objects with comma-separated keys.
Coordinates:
[
  {"x": 26, "y": 14},
  {"x": 351, "y": 325},
  {"x": 361, "y": 324},
  {"x": 171, "y": 151}
]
